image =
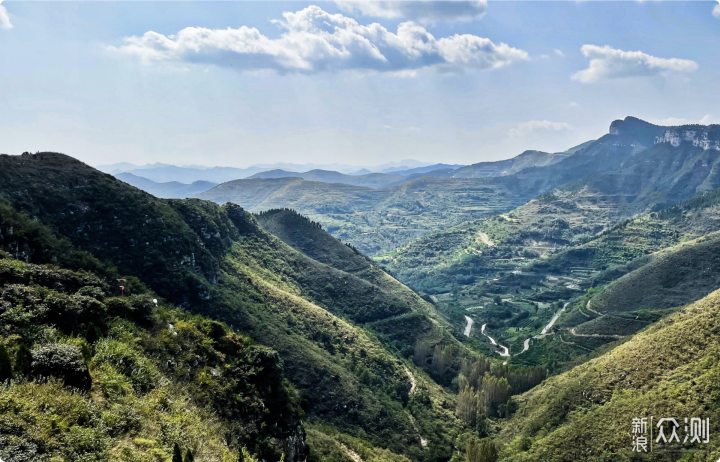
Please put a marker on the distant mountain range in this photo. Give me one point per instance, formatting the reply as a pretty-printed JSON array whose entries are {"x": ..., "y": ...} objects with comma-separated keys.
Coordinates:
[
  {"x": 163, "y": 173},
  {"x": 170, "y": 190}
]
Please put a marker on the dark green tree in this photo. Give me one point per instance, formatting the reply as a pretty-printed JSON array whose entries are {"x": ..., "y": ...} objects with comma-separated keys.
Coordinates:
[
  {"x": 93, "y": 333},
  {"x": 5, "y": 365},
  {"x": 189, "y": 456},
  {"x": 23, "y": 360},
  {"x": 177, "y": 454}
]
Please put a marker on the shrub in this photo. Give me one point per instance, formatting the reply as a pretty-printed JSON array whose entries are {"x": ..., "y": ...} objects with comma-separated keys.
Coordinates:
[
  {"x": 93, "y": 333},
  {"x": 127, "y": 361},
  {"x": 92, "y": 292},
  {"x": 5, "y": 366},
  {"x": 118, "y": 307},
  {"x": 61, "y": 361},
  {"x": 89, "y": 308},
  {"x": 23, "y": 360}
]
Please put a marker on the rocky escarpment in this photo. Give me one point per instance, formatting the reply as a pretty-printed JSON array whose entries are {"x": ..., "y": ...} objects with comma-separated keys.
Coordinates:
[{"x": 705, "y": 137}]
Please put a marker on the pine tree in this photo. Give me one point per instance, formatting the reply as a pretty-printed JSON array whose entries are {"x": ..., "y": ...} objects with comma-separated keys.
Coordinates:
[
  {"x": 177, "y": 454},
  {"x": 5, "y": 365},
  {"x": 189, "y": 456},
  {"x": 23, "y": 360}
]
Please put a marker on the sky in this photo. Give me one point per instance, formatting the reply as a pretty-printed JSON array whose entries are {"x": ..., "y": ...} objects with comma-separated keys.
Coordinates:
[{"x": 361, "y": 83}]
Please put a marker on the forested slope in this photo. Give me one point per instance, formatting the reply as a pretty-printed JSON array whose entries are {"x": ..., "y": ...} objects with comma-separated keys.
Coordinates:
[{"x": 336, "y": 332}]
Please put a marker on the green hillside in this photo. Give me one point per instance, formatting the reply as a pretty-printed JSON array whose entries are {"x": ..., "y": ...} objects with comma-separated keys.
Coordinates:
[
  {"x": 670, "y": 278},
  {"x": 668, "y": 370},
  {"x": 149, "y": 377},
  {"x": 344, "y": 335},
  {"x": 375, "y": 220}
]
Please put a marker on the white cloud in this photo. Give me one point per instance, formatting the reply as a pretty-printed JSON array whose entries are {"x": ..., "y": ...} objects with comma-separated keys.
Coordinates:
[
  {"x": 708, "y": 119},
  {"x": 559, "y": 53},
  {"x": 315, "y": 41},
  {"x": 424, "y": 11},
  {"x": 525, "y": 128},
  {"x": 716, "y": 10},
  {"x": 609, "y": 63},
  {"x": 4, "y": 18}
]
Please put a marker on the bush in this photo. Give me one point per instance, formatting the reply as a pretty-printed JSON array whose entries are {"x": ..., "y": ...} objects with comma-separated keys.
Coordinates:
[
  {"x": 64, "y": 362},
  {"x": 92, "y": 292},
  {"x": 128, "y": 362},
  {"x": 5, "y": 366},
  {"x": 23, "y": 360}
]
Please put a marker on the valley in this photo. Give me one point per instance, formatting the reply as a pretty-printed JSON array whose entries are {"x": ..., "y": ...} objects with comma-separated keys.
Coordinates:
[{"x": 476, "y": 299}]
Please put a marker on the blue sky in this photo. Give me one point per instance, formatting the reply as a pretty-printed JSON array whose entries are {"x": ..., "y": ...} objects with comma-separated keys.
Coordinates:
[{"x": 241, "y": 83}]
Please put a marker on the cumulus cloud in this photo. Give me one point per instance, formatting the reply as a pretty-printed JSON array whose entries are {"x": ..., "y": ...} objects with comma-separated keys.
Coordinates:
[
  {"x": 609, "y": 63},
  {"x": 314, "y": 41},
  {"x": 559, "y": 52},
  {"x": 525, "y": 128},
  {"x": 424, "y": 11},
  {"x": 716, "y": 10},
  {"x": 4, "y": 18}
]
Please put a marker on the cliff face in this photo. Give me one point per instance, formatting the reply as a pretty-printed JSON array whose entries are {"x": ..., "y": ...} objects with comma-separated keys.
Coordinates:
[{"x": 704, "y": 137}]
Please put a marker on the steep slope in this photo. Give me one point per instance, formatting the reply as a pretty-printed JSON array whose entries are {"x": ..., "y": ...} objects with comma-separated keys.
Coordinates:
[
  {"x": 669, "y": 278},
  {"x": 171, "y": 190},
  {"x": 151, "y": 377},
  {"x": 219, "y": 262},
  {"x": 668, "y": 370}
]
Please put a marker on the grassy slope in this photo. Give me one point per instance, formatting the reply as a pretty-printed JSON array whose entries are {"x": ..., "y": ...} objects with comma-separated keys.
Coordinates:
[
  {"x": 672, "y": 277},
  {"x": 670, "y": 369}
]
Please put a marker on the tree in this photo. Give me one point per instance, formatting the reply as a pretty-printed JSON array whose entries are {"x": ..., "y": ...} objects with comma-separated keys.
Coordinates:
[
  {"x": 189, "y": 456},
  {"x": 5, "y": 365},
  {"x": 422, "y": 349},
  {"x": 93, "y": 333},
  {"x": 23, "y": 360},
  {"x": 177, "y": 454},
  {"x": 467, "y": 402},
  {"x": 481, "y": 451}
]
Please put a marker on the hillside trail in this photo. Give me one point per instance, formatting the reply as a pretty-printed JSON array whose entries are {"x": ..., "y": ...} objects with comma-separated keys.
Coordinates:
[
  {"x": 350, "y": 453},
  {"x": 413, "y": 382},
  {"x": 572, "y": 331},
  {"x": 587, "y": 307},
  {"x": 485, "y": 239}
]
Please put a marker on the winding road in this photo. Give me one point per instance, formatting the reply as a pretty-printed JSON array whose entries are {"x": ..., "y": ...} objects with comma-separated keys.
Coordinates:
[
  {"x": 468, "y": 326},
  {"x": 506, "y": 351},
  {"x": 547, "y": 328},
  {"x": 526, "y": 345}
]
